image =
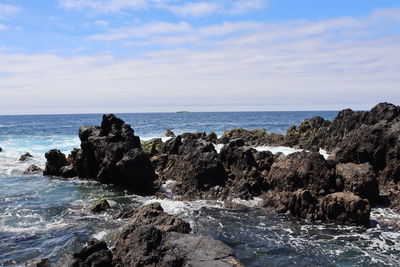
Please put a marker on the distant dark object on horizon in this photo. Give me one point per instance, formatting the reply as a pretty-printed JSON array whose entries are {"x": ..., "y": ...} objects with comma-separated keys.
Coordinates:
[{"x": 183, "y": 111}]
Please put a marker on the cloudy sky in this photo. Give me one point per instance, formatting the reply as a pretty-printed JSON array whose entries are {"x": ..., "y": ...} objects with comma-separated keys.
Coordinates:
[{"x": 94, "y": 56}]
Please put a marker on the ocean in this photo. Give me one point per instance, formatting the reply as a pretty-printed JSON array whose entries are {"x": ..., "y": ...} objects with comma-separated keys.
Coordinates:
[{"x": 49, "y": 217}]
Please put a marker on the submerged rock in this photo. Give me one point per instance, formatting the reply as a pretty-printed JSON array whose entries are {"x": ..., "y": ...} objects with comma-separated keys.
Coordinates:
[
  {"x": 25, "y": 156},
  {"x": 32, "y": 169},
  {"x": 100, "y": 205}
]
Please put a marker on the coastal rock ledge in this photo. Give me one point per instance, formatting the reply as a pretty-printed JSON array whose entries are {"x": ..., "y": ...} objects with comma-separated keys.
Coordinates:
[
  {"x": 363, "y": 168},
  {"x": 151, "y": 237}
]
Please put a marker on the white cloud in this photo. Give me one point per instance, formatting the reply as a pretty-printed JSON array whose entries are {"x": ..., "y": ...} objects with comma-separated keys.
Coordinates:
[
  {"x": 178, "y": 7},
  {"x": 2, "y": 27},
  {"x": 143, "y": 31},
  {"x": 328, "y": 64},
  {"x": 8, "y": 10}
]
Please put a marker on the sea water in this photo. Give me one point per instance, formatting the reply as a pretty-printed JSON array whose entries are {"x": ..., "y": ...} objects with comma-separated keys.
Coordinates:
[{"x": 49, "y": 217}]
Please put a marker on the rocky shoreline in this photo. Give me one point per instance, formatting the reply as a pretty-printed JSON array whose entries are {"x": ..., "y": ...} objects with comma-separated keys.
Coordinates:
[{"x": 363, "y": 169}]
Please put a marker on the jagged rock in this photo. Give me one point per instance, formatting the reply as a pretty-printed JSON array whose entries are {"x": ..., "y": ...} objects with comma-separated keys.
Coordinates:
[
  {"x": 169, "y": 133},
  {"x": 151, "y": 241},
  {"x": 212, "y": 137},
  {"x": 112, "y": 154},
  {"x": 171, "y": 146},
  {"x": 154, "y": 214},
  {"x": 39, "y": 263},
  {"x": 57, "y": 164},
  {"x": 276, "y": 200},
  {"x": 245, "y": 181},
  {"x": 153, "y": 147},
  {"x": 196, "y": 167},
  {"x": 303, "y": 170},
  {"x": 308, "y": 134},
  {"x": 25, "y": 156},
  {"x": 72, "y": 156},
  {"x": 344, "y": 208},
  {"x": 100, "y": 205},
  {"x": 359, "y": 179},
  {"x": 95, "y": 254},
  {"x": 32, "y": 169},
  {"x": 303, "y": 204},
  {"x": 255, "y": 137}
]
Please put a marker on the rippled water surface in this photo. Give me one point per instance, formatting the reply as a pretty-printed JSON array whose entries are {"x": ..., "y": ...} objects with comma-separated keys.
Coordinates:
[{"x": 48, "y": 217}]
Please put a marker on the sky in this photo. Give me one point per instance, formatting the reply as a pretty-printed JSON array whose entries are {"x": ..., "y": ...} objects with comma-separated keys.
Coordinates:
[{"x": 99, "y": 56}]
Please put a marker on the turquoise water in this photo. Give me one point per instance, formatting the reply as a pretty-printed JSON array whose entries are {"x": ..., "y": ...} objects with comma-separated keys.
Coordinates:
[{"x": 48, "y": 217}]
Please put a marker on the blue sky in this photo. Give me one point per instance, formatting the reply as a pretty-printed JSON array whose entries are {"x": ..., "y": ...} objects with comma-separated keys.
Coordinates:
[{"x": 74, "y": 56}]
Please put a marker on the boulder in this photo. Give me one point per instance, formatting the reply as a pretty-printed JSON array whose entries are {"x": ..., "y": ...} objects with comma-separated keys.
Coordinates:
[
  {"x": 25, "y": 156},
  {"x": 57, "y": 164},
  {"x": 194, "y": 165},
  {"x": 100, "y": 205},
  {"x": 32, "y": 169},
  {"x": 95, "y": 254},
  {"x": 112, "y": 154},
  {"x": 303, "y": 204},
  {"x": 256, "y": 137},
  {"x": 359, "y": 179},
  {"x": 154, "y": 238},
  {"x": 153, "y": 147},
  {"x": 38, "y": 263},
  {"x": 154, "y": 214},
  {"x": 303, "y": 170},
  {"x": 344, "y": 208},
  {"x": 245, "y": 180},
  {"x": 169, "y": 133}
]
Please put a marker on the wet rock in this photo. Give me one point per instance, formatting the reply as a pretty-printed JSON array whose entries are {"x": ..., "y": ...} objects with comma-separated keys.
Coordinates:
[
  {"x": 57, "y": 164},
  {"x": 72, "y": 156},
  {"x": 112, "y": 154},
  {"x": 257, "y": 137},
  {"x": 196, "y": 167},
  {"x": 32, "y": 169},
  {"x": 276, "y": 200},
  {"x": 359, "y": 179},
  {"x": 303, "y": 204},
  {"x": 212, "y": 137},
  {"x": 344, "y": 208},
  {"x": 100, "y": 205},
  {"x": 245, "y": 180},
  {"x": 147, "y": 242},
  {"x": 303, "y": 170},
  {"x": 95, "y": 254},
  {"x": 169, "y": 133},
  {"x": 309, "y": 134},
  {"x": 171, "y": 146},
  {"x": 1, "y": 150},
  {"x": 39, "y": 263},
  {"x": 153, "y": 147},
  {"x": 25, "y": 156},
  {"x": 154, "y": 214}
]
